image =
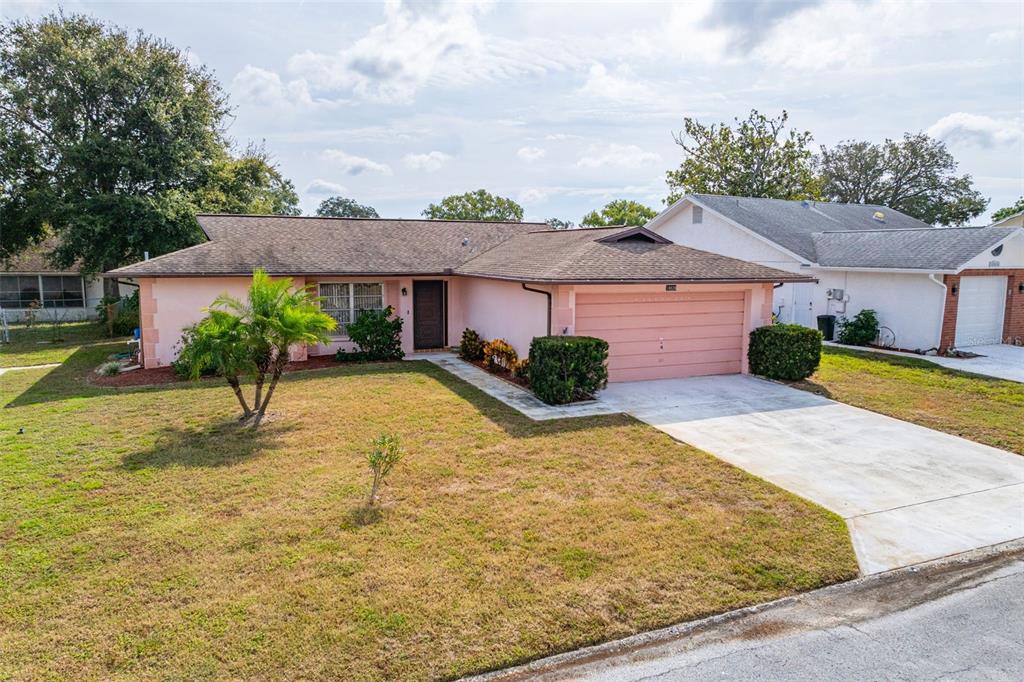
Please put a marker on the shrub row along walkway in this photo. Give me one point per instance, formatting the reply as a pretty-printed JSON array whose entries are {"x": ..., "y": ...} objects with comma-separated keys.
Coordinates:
[{"x": 515, "y": 397}]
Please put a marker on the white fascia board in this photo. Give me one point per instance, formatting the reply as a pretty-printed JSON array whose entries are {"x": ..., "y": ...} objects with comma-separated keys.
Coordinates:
[{"x": 909, "y": 271}]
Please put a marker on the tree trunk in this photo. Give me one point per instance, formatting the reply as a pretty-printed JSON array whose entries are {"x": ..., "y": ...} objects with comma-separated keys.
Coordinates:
[
  {"x": 233, "y": 382},
  {"x": 261, "y": 409}
]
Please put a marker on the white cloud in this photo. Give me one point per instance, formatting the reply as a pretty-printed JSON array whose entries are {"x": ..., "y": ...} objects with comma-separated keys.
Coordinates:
[
  {"x": 619, "y": 156},
  {"x": 355, "y": 165},
  {"x": 259, "y": 86},
  {"x": 1005, "y": 36},
  {"x": 533, "y": 195},
  {"x": 430, "y": 162},
  {"x": 440, "y": 44},
  {"x": 324, "y": 188},
  {"x": 620, "y": 85},
  {"x": 531, "y": 154},
  {"x": 977, "y": 129}
]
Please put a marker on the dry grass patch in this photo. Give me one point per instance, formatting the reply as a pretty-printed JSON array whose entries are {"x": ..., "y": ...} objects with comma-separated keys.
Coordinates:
[
  {"x": 978, "y": 408},
  {"x": 143, "y": 534}
]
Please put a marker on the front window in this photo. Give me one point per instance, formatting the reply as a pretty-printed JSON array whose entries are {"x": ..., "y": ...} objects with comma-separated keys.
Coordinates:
[
  {"x": 51, "y": 291},
  {"x": 344, "y": 300}
]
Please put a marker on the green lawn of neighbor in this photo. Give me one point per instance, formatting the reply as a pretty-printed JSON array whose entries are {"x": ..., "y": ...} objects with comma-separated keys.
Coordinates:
[
  {"x": 36, "y": 345},
  {"x": 982, "y": 409}
]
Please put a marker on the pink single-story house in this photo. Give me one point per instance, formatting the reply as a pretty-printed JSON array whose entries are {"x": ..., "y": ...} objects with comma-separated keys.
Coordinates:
[{"x": 666, "y": 310}]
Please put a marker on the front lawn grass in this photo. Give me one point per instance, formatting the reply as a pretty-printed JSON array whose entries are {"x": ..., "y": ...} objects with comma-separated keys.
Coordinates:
[
  {"x": 35, "y": 345},
  {"x": 982, "y": 409},
  {"x": 143, "y": 534}
]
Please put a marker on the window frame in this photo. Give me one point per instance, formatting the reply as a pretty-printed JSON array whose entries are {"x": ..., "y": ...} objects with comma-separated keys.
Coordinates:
[
  {"x": 341, "y": 331},
  {"x": 22, "y": 305}
]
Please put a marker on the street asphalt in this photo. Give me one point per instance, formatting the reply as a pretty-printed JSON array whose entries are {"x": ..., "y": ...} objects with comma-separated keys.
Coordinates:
[{"x": 957, "y": 619}]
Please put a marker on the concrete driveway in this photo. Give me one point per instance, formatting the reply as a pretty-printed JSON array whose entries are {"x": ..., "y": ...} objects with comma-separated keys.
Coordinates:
[{"x": 908, "y": 494}]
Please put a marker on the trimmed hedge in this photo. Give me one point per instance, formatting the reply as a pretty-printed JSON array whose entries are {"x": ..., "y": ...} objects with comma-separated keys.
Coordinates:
[
  {"x": 784, "y": 351},
  {"x": 564, "y": 369}
]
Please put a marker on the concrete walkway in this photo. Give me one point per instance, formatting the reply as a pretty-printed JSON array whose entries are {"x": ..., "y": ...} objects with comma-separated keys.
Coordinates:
[
  {"x": 510, "y": 394},
  {"x": 908, "y": 494},
  {"x": 1000, "y": 361},
  {"x": 24, "y": 367},
  {"x": 952, "y": 619}
]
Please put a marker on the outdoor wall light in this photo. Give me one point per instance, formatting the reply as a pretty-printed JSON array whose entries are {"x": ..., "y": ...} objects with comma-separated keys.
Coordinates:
[
  {"x": 405, "y": 292},
  {"x": 953, "y": 290},
  {"x": 1020, "y": 288}
]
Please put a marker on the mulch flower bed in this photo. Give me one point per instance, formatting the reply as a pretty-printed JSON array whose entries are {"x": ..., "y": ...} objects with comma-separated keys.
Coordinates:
[
  {"x": 165, "y": 375},
  {"x": 522, "y": 382}
]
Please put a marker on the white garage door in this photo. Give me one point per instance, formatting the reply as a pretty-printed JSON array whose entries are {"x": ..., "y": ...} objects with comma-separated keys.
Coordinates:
[
  {"x": 665, "y": 335},
  {"x": 979, "y": 313}
]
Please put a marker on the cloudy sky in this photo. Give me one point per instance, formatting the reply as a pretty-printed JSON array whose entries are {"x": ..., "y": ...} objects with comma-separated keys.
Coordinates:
[{"x": 565, "y": 106}]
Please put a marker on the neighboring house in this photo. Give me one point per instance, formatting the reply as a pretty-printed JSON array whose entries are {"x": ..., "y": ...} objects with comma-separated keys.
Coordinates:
[
  {"x": 932, "y": 287},
  {"x": 30, "y": 283},
  {"x": 1015, "y": 220},
  {"x": 666, "y": 310}
]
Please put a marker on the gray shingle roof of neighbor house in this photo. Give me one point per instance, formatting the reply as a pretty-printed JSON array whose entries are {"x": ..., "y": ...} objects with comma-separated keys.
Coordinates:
[
  {"x": 591, "y": 255},
  {"x": 299, "y": 245},
  {"x": 946, "y": 248},
  {"x": 791, "y": 224},
  {"x": 36, "y": 260},
  {"x": 529, "y": 252}
]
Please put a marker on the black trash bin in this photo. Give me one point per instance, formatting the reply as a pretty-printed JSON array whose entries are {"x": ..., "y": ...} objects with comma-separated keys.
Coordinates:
[{"x": 827, "y": 326}]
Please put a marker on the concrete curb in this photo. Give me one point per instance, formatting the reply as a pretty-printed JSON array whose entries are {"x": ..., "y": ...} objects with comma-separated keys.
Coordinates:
[{"x": 669, "y": 634}]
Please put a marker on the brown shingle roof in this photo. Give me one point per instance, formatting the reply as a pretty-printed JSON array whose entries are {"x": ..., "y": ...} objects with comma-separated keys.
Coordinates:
[
  {"x": 321, "y": 246},
  {"x": 529, "y": 252},
  {"x": 586, "y": 255},
  {"x": 35, "y": 259}
]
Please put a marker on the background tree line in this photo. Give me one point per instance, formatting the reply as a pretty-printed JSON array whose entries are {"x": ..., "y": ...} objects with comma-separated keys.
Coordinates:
[{"x": 113, "y": 142}]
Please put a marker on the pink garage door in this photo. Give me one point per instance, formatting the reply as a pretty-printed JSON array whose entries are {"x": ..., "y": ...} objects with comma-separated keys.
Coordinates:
[{"x": 665, "y": 335}]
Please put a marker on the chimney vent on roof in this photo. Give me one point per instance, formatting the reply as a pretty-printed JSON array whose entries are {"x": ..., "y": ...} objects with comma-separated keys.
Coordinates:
[
  {"x": 878, "y": 217},
  {"x": 805, "y": 203},
  {"x": 465, "y": 241}
]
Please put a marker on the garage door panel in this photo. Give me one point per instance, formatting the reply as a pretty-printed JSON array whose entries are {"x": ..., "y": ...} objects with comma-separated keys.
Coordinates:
[
  {"x": 617, "y": 310},
  {"x": 669, "y": 333},
  {"x": 734, "y": 343},
  {"x": 654, "y": 321},
  {"x": 666, "y": 359},
  {"x": 981, "y": 305},
  {"x": 659, "y": 297},
  {"x": 679, "y": 371}
]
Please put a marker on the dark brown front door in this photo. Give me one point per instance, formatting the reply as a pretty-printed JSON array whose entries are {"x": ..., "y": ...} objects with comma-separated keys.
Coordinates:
[{"x": 428, "y": 314}]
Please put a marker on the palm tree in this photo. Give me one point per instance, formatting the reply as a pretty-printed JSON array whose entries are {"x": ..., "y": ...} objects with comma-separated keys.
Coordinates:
[
  {"x": 217, "y": 343},
  {"x": 253, "y": 336}
]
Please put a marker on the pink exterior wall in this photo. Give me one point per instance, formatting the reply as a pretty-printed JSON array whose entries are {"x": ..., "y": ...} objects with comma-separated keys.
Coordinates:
[
  {"x": 499, "y": 309},
  {"x": 169, "y": 304},
  {"x": 494, "y": 308}
]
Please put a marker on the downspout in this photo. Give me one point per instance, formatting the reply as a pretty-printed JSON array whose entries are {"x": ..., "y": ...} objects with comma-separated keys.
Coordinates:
[
  {"x": 546, "y": 293},
  {"x": 942, "y": 315}
]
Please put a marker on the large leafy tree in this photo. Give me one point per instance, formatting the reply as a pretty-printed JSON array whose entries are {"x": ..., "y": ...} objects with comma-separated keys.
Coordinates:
[
  {"x": 620, "y": 212},
  {"x": 343, "y": 207},
  {"x": 252, "y": 337},
  {"x": 249, "y": 183},
  {"x": 478, "y": 205},
  {"x": 757, "y": 157},
  {"x": 1008, "y": 211},
  {"x": 113, "y": 142},
  {"x": 915, "y": 175}
]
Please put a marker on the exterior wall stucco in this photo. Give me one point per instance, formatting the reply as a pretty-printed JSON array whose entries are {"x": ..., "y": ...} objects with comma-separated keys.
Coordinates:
[{"x": 500, "y": 309}]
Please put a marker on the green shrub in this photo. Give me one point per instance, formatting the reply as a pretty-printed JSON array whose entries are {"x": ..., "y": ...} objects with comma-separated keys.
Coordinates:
[
  {"x": 784, "y": 351},
  {"x": 861, "y": 330},
  {"x": 564, "y": 369},
  {"x": 109, "y": 368},
  {"x": 343, "y": 355},
  {"x": 472, "y": 346},
  {"x": 126, "y": 319},
  {"x": 378, "y": 334},
  {"x": 192, "y": 354}
]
